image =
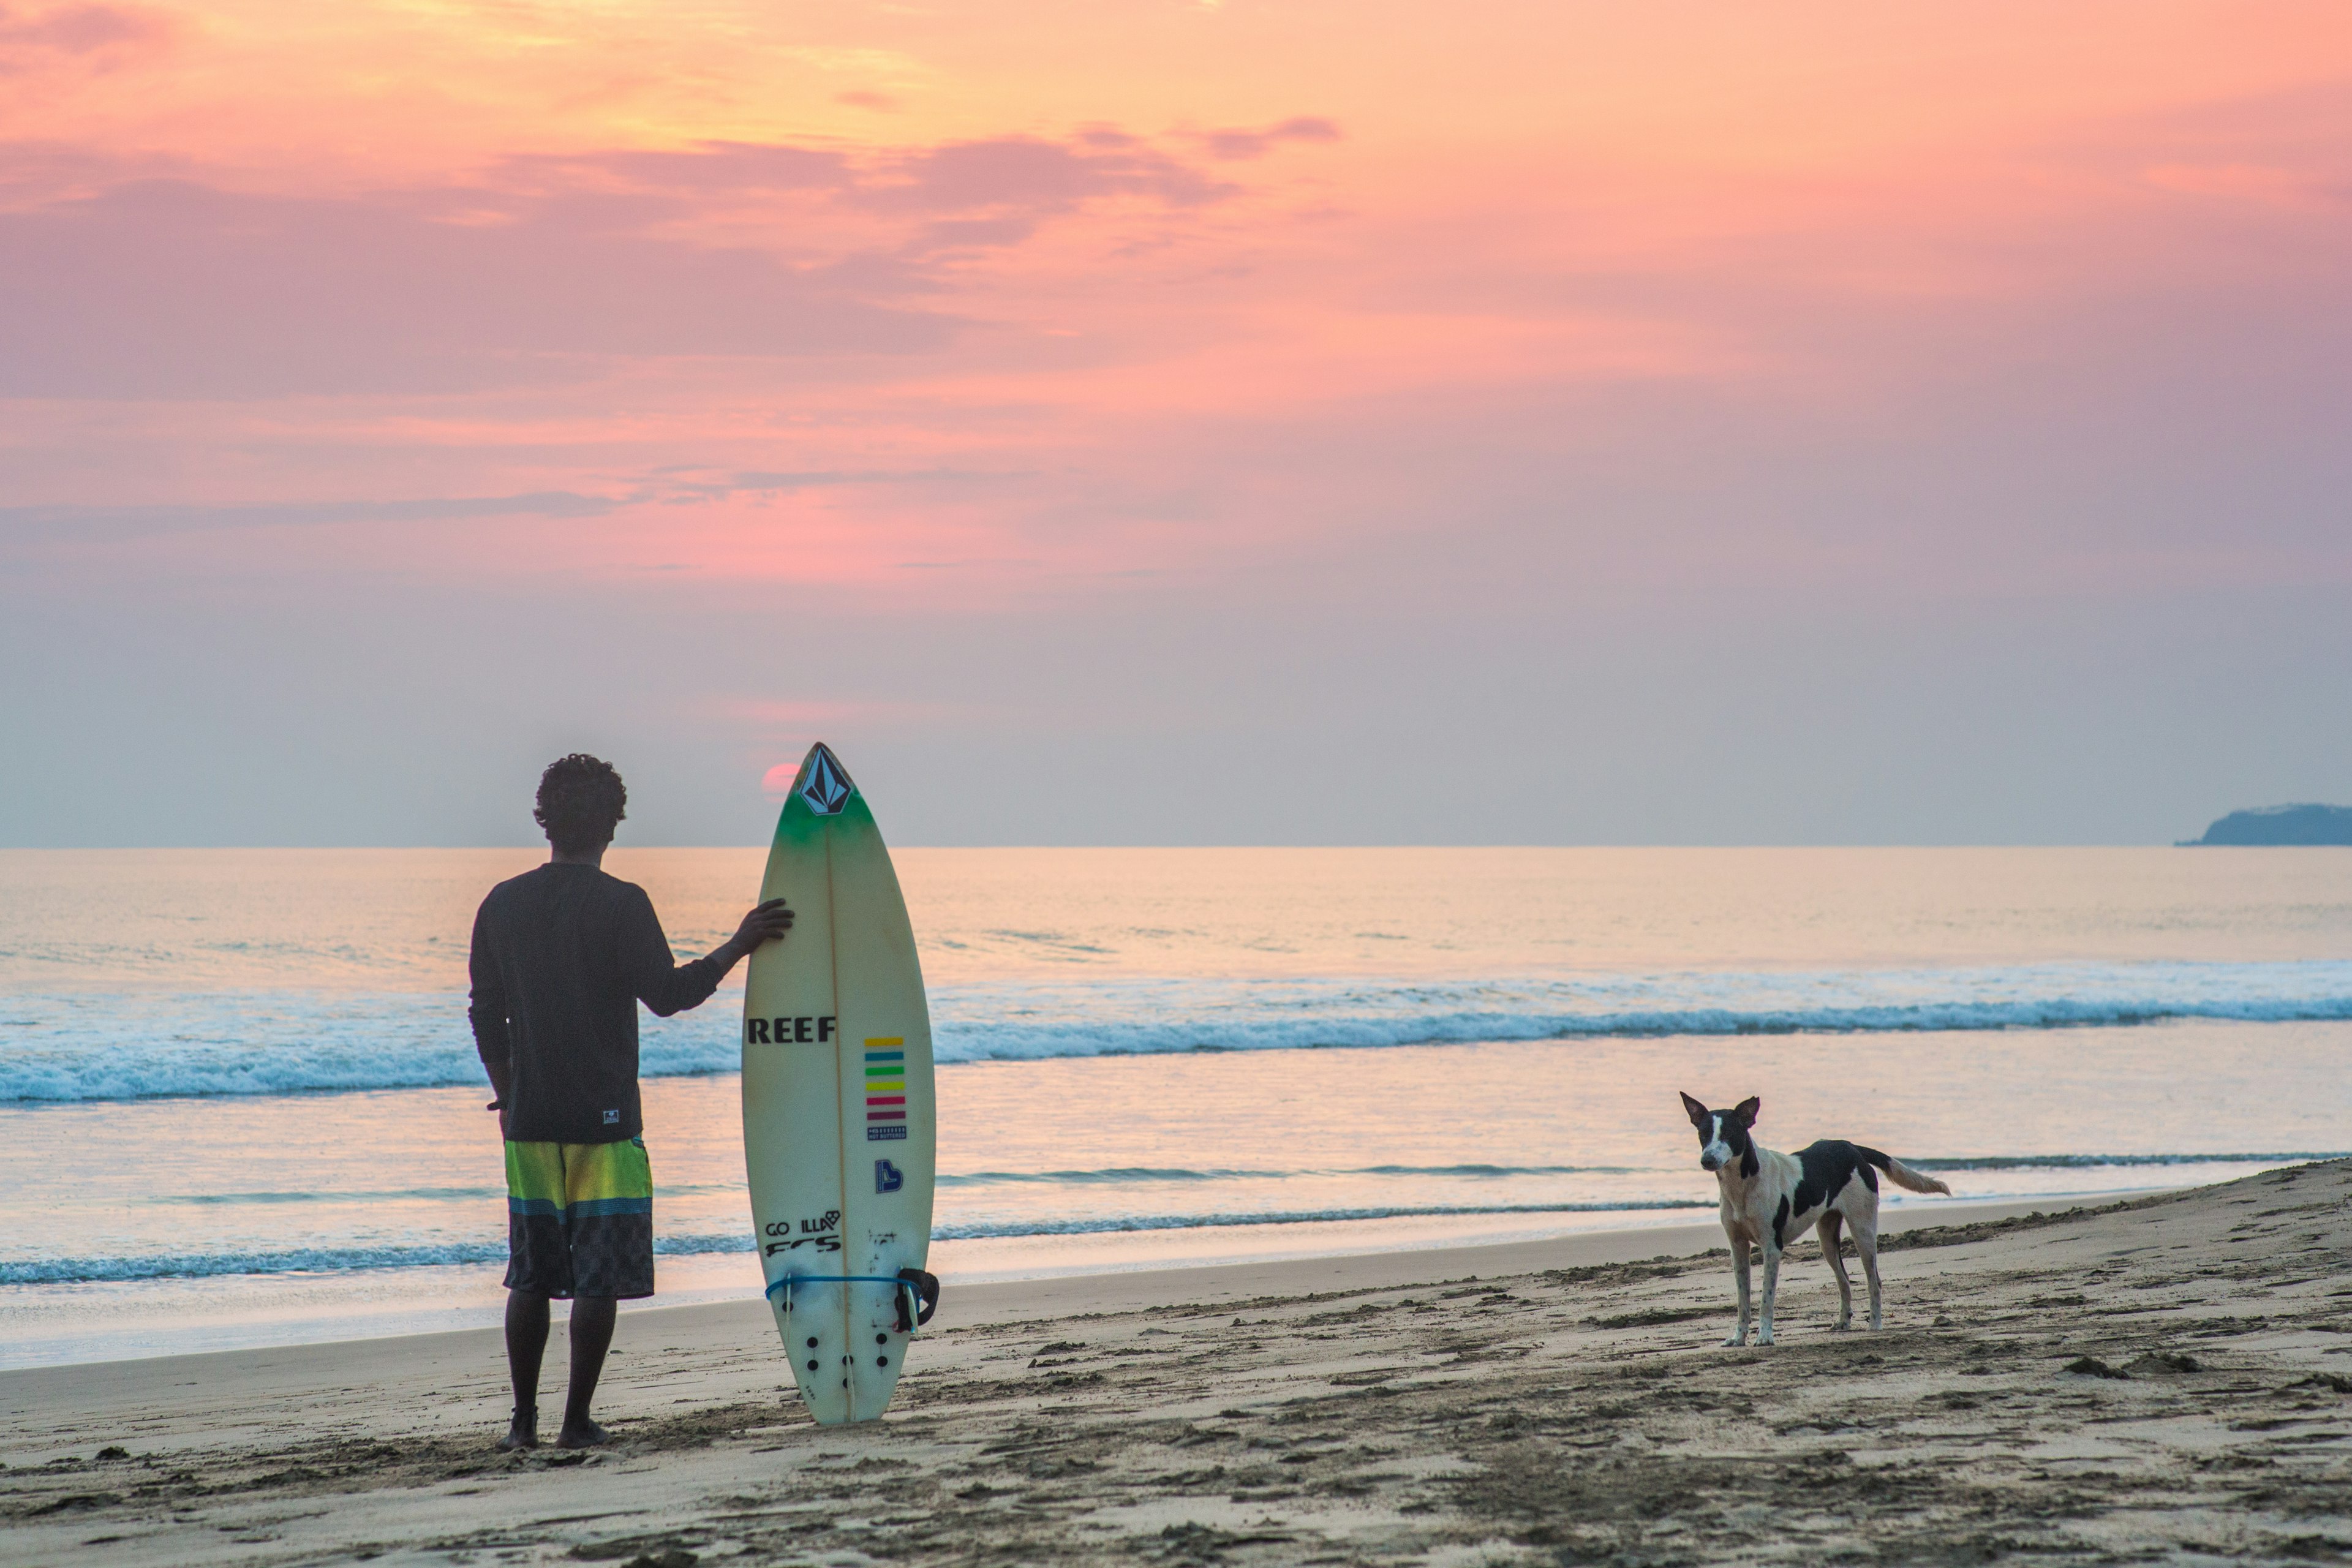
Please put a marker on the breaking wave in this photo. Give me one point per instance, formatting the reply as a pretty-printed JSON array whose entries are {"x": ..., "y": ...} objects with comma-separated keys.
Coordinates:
[
  {"x": 89, "y": 1048},
  {"x": 347, "y": 1260},
  {"x": 120, "y": 1269}
]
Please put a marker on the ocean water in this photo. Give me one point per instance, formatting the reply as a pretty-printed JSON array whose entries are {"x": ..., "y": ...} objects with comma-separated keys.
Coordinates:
[{"x": 239, "y": 1102}]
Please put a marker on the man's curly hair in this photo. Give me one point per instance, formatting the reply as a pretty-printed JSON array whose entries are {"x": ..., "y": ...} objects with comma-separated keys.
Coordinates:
[{"x": 580, "y": 801}]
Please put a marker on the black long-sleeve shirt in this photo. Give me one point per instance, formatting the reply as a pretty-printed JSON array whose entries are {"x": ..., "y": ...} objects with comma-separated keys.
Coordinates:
[{"x": 563, "y": 955}]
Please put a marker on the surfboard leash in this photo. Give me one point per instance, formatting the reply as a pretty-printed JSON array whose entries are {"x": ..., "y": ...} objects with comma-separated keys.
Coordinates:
[{"x": 918, "y": 1292}]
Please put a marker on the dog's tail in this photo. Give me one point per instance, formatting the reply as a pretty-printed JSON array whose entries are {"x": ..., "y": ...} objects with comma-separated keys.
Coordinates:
[{"x": 1901, "y": 1175}]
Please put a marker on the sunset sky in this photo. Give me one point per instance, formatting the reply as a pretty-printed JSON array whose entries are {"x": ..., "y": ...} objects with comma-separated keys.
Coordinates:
[{"x": 1147, "y": 422}]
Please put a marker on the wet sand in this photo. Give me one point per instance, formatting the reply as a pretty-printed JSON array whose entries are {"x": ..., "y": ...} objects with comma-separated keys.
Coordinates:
[{"x": 2165, "y": 1379}]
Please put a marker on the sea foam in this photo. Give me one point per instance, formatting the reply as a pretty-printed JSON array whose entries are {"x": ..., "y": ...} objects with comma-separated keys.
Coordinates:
[{"x": 101, "y": 1046}]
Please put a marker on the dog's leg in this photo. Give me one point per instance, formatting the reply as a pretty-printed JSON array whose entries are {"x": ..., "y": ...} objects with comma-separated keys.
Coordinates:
[
  {"x": 1739, "y": 1273},
  {"x": 1772, "y": 1289},
  {"x": 1866, "y": 1241},
  {"x": 1833, "y": 1250}
]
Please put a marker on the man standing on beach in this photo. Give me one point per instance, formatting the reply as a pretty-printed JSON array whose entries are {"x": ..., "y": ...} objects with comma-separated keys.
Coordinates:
[{"x": 562, "y": 957}]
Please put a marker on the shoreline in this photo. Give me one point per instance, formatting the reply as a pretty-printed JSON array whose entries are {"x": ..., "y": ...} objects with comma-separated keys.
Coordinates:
[
  {"x": 1590, "y": 1238},
  {"x": 2160, "y": 1377},
  {"x": 964, "y": 1304},
  {"x": 243, "y": 1192}
]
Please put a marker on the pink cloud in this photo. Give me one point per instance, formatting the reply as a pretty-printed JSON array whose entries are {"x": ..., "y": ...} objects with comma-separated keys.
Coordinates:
[
  {"x": 90, "y": 36},
  {"x": 2259, "y": 184},
  {"x": 81, "y": 29},
  {"x": 169, "y": 287},
  {"x": 1029, "y": 175},
  {"x": 734, "y": 166},
  {"x": 1183, "y": 372},
  {"x": 1239, "y": 144},
  {"x": 795, "y": 714}
]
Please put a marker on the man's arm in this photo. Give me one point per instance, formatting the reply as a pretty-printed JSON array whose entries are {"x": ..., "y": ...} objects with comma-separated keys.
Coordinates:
[
  {"x": 668, "y": 987},
  {"x": 488, "y": 1012},
  {"x": 762, "y": 924},
  {"x": 501, "y": 1085}
]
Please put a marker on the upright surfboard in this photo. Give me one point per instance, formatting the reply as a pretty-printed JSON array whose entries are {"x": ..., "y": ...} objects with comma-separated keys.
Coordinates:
[{"x": 839, "y": 1127}]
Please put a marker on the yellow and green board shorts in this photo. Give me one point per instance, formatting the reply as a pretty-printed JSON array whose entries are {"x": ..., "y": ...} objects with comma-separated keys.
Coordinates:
[{"x": 580, "y": 1219}]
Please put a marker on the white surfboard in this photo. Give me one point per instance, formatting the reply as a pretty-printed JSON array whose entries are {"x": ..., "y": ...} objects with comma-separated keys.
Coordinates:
[{"x": 839, "y": 1125}]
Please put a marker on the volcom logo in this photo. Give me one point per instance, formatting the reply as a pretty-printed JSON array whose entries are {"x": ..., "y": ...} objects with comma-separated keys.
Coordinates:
[
  {"x": 887, "y": 1177},
  {"x": 611, "y": 1119},
  {"x": 828, "y": 787}
]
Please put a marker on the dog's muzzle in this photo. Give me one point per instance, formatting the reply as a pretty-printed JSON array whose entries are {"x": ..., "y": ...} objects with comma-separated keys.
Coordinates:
[{"x": 1710, "y": 1162}]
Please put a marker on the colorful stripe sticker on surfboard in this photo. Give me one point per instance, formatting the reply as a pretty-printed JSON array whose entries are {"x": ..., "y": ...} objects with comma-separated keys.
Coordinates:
[
  {"x": 885, "y": 1088},
  {"x": 839, "y": 1124}
]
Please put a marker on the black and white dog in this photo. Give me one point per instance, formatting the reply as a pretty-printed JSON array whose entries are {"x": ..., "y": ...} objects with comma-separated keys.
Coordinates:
[{"x": 1770, "y": 1199}]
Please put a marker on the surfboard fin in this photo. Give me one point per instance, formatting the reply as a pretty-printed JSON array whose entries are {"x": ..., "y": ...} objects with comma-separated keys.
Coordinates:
[{"x": 927, "y": 1287}]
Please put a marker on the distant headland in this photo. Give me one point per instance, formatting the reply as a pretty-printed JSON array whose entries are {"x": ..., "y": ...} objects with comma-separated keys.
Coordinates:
[{"x": 2282, "y": 824}]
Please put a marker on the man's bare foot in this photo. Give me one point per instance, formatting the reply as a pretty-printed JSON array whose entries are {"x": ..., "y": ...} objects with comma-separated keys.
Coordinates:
[
  {"x": 586, "y": 1434},
  {"x": 524, "y": 1434}
]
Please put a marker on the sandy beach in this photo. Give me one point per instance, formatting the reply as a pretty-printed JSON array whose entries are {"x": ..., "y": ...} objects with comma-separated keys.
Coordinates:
[{"x": 2160, "y": 1379}]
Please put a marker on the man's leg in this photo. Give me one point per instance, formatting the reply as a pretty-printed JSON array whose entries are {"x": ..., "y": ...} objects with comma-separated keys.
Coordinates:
[
  {"x": 610, "y": 1227},
  {"x": 526, "y": 1345},
  {"x": 591, "y": 1336},
  {"x": 538, "y": 1266}
]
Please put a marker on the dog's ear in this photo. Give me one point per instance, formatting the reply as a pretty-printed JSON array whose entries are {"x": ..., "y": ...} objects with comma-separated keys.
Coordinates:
[
  {"x": 1746, "y": 1109},
  {"x": 1698, "y": 1113}
]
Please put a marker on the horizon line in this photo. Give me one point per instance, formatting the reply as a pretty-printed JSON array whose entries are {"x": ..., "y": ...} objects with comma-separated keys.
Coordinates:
[{"x": 1585, "y": 844}]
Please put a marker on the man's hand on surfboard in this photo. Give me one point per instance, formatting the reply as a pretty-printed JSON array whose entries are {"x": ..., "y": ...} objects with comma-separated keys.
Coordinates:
[{"x": 765, "y": 924}]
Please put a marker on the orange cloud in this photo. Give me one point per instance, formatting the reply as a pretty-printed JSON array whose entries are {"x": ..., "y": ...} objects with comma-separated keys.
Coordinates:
[{"x": 531, "y": 290}]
